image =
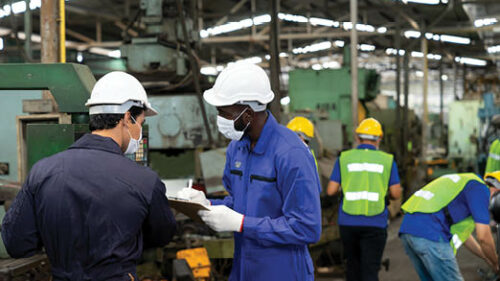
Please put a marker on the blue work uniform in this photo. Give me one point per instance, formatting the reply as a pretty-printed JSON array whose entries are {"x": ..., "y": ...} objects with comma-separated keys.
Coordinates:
[
  {"x": 473, "y": 201},
  {"x": 276, "y": 186},
  {"x": 92, "y": 209},
  {"x": 379, "y": 220}
]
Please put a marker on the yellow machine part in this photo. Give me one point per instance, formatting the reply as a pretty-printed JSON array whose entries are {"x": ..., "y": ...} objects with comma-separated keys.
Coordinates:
[{"x": 198, "y": 261}]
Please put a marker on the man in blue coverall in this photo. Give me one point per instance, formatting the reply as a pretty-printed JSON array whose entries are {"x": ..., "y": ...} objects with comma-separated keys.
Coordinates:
[
  {"x": 93, "y": 209},
  {"x": 368, "y": 177},
  {"x": 273, "y": 204}
]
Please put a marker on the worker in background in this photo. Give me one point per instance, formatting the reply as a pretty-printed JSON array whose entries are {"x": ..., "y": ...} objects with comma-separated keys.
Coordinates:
[
  {"x": 304, "y": 128},
  {"x": 442, "y": 216},
  {"x": 493, "y": 162},
  {"x": 90, "y": 207},
  {"x": 273, "y": 206},
  {"x": 367, "y": 178}
]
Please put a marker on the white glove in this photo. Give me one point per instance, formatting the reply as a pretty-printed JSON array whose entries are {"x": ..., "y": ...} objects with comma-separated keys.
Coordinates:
[
  {"x": 221, "y": 218},
  {"x": 193, "y": 195}
]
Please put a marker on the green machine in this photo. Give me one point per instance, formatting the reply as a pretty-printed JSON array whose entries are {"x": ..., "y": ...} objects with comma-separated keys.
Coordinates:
[
  {"x": 327, "y": 93},
  {"x": 43, "y": 132}
]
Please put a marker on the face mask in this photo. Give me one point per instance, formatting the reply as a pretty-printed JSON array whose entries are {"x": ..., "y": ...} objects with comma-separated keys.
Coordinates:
[
  {"x": 133, "y": 144},
  {"x": 226, "y": 127}
]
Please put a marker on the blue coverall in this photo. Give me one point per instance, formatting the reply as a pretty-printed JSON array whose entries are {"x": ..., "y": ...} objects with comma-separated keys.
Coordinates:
[
  {"x": 92, "y": 209},
  {"x": 276, "y": 186}
]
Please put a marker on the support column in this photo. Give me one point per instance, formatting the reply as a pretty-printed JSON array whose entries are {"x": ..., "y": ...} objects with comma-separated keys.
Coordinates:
[
  {"x": 425, "y": 85},
  {"x": 28, "y": 30},
  {"x": 354, "y": 66},
  {"x": 275, "y": 59},
  {"x": 397, "y": 41},
  {"x": 49, "y": 38}
]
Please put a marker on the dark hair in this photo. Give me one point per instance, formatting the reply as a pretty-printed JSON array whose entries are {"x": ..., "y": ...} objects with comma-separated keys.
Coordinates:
[{"x": 109, "y": 121}]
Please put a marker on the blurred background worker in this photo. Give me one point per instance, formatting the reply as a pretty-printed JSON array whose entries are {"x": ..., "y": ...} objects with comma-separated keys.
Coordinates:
[
  {"x": 493, "y": 162},
  {"x": 90, "y": 207},
  {"x": 304, "y": 129},
  {"x": 442, "y": 216},
  {"x": 367, "y": 177},
  {"x": 273, "y": 204}
]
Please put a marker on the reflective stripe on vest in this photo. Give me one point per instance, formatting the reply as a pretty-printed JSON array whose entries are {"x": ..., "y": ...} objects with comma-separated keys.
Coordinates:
[
  {"x": 437, "y": 195},
  {"x": 364, "y": 179}
]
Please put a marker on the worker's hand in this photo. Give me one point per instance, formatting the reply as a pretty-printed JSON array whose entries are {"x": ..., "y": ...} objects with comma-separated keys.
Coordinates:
[
  {"x": 193, "y": 195},
  {"x": 221, "y": 218}
]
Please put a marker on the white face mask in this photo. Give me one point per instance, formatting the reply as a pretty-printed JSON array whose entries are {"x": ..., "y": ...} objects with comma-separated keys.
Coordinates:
[
  {"x": 226, "y": 127},
  {"x": 133, "y": 144}
]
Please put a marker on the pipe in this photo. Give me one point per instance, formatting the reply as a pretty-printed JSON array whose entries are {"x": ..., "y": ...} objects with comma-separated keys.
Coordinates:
[
  {"x": 62, "y": 31},
  {"x": 196, "y": 72}
]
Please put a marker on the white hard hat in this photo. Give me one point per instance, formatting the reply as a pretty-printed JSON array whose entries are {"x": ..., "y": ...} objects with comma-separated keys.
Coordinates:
[
  {"x": 241, "y": 83},
  {"x": 116, "y": 92}
]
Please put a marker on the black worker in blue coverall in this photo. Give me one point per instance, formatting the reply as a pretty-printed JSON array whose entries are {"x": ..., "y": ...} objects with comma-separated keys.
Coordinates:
[{"x": 90, "y": 207}]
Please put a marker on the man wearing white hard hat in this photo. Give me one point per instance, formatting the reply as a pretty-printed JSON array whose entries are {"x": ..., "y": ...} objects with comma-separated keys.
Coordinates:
[
  {"x": 90, "y": 207},
  {"x": 273, "y": 206}
]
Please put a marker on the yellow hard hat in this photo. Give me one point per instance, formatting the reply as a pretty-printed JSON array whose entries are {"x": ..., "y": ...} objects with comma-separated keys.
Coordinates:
[
  {"x": 369, "y": 128},
  {"x": 493, "y": 179},
  {"x": 302, "y": 125}
]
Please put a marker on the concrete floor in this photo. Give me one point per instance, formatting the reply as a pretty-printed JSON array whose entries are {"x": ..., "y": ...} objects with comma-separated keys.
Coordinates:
[{"x": 401, "y": 269}]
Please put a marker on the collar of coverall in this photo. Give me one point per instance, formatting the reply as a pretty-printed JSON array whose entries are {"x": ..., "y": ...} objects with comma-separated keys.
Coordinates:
[
  {"x": 92, "y": 141},
  {"x": 366, "y": 146},
  {"x": 265, "y": 135}
]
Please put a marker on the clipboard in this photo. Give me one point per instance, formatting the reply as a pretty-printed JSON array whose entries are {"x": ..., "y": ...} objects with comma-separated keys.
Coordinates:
[{"x": 188, "y": 208}]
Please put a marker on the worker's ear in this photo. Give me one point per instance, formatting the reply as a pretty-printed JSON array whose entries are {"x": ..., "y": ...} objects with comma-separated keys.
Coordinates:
[
  {"x": 127, "y": 122},
  {"x": 248, "y": 115}
]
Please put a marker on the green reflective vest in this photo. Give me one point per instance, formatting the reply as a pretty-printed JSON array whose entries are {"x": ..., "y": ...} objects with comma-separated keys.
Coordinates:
[
  {"x": 365, "y": 178},
  {"x": 493, "y": 163},
  {"x": 437, "y": 195}
]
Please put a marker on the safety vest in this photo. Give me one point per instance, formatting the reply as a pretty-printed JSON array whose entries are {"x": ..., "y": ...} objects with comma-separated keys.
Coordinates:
[
  {"x": 493, "y": 163},
  {"x": 365, "y": 178},
  {"x": 437, "y": 195},
  {"x": 315, "y": 160}
]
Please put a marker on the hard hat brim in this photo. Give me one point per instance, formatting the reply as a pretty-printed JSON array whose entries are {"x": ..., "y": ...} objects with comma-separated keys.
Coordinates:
[{"x": 211, "y": 97}]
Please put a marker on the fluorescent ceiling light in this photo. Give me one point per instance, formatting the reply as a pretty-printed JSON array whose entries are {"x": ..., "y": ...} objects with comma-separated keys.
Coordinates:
[
  {"x": 219, "y": 68},
  {"x": 313, "y": 48},
  {"x": 209, "y": 71},
  {"x": 258, "y": 20},
  {"x": 1, "y": 43},
  {"x": 283, "y": 55},
  {"x": 426, "y": 2},
  {"x": 79, "y": 57},
  {"x": 359, "y": 26},
  {"x": 268, "y": 57},
  {"x": 382, "y": 29},
  {"x": 412, "y": 34},
  {"x": 455, "y": 39},
  {"x": 438, "y": 37},
  {"x": 324, "y": 22},
  {"x": 366, "y": 47},
  {"x": 444, "y": 77},
  {"x": 19, "y": 7},
  {"x": 292, "y": 18},
  {"x": 485, "y": 22},
  {"x": 494, "y": 49},
  {"x": 331, "y": 64},
  {"x": 233, "y": 26},
  {"x": 471, "y": 61},
  {"x": 339, "y": 43},
  {"x": 285, "y": 101},
  {"x": 254, "y": 60},
  {"x": 316, "y": 66},
  {"x": 392, "y": 51}
]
